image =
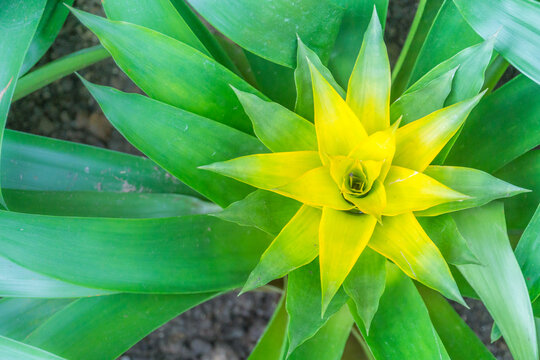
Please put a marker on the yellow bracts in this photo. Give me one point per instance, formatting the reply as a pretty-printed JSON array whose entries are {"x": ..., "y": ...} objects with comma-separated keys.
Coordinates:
[{"x": 363, "y": 183}]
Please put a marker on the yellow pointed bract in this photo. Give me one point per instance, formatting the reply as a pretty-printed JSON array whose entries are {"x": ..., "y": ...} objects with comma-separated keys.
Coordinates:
[
  {"x": 338, "y": 129},
  {"x": 369, "y": 86},
  {"x": 362, "y": 185},
  {"x": 342, "y": 237}
]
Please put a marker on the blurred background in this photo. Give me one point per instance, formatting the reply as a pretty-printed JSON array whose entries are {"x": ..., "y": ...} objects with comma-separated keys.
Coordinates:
[{"x": 226, "y": 328}]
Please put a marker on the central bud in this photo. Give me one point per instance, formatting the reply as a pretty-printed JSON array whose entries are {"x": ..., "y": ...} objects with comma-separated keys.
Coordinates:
[{"x": 356, "y": 181}]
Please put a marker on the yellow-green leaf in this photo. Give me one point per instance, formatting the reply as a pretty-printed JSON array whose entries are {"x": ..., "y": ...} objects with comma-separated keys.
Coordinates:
[
  {"x": 296, "y": 245},
  {"x": 419, "y": 142},
  {"x": 315, "y": 188},
  {"x": 408, "y": 190},
  {"x": 368, "y": 94},
  {"x": 402, "y": 240},
  {"x": 343, "y": 236},
  {"x": 338, "y": 129},
  {"x": 267, "y": 171}
]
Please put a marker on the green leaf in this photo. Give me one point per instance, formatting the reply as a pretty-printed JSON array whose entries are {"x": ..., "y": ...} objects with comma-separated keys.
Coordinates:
[
  {"x": 254, "y": 209},
  {"x": 118, "y": 205},
  {"x": 15, "y": 350},
  {"x": 402, "y": 320},
  {"x": 527, "y": 254},
  {"x": 499, "y": 281},
  {"x": 458, "y": 339},
  {"x": 424, "y": 100},
  {"x": 17, "y": 281},
  {"x": 302, "y": 78},
  {"x": 181, "y": 76},
  {"x": 524, "y": 171},
  {"x": 179, "y": 141},
  {"x": 495, "y": 333},
  {"x": 124, "y": 255},
  {"x": 443, "y": 231},
  {"x": 53, "y": 18},
  {"x": 448, "y": 35},
  {"x": 365, "y": 284},
  {"x": 329, "y": 342},
  {"x": 516, "y": 23},
  {"x": 275, "y": 81},
  {"x": 272, "y": 33},
  {"x": 278, "y": 128},
  {"x": 272, "y": 343},
  {"x": 295, "y": 246},
  {"x": 159, "y": 15},
  {"x": 304, "y": 304},
  {"x": 349, "y": 40},
  {"x": 480, "y": 186},
  {"x": 22, "y": 316},
  {"x": 18, "y": 23},
  {"x": 38, "y": 163},
  {"x": 423, "y": 19},
  {"x": 104, "y": 327},
  {"x": 488, "y": 131}
]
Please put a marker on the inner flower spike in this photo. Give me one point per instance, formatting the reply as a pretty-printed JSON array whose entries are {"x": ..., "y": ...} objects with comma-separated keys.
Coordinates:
[{"x": 362, "y": 182}]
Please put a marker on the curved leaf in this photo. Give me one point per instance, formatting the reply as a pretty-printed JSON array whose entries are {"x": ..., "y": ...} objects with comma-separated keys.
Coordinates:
[
  {"x": 103, "y": 327},
  {"x": 274, "y": 24},
  {"x": 15, "y": 350},
  {"x": 516, "y": 25},
  {"x": 159, "y": 15},
  {"x": 178, "y": 140},
  {"x": 180, "y": 76},
  {"x": 527, "y": 254},
  {"x": 488, "y": 130},
  {"x": 134, "y": 255},
  {"x": 498, "y": 276}
]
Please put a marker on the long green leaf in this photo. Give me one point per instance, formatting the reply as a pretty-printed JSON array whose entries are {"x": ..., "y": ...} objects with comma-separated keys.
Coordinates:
[
  {"x": 271, "y": 345},
  {"x": 365, "y": 284},
  {"x": 402, "y": 320},
  {"x": 18, "y": 23},
  {"x": 159, "y": 15},
  {"x": 119, "y": 205},
  {"x": 38, "y": 163},
  {"x": 328, "y": 343},
  {"x": 458, "y": 339},
  {"x": 180, "y": 76},
  {"x": 22, "y": 316},
  {"x": 349, "y": 40},
  {"x": 499, "y": 281},
  {"x": 423, "y": 19},
  {"x": 17, "y": 281},
  {"x": 274, "y": 24},
  {"x": 480, "y": 186},
  {"x": 448, "y": 35},
  {"x": 53, "y": 18},
  {"x": 488, "y": 130},
  {"x": 516, "y": 25},
  {"x": 528, "y": 255},
  {"x": 104, "y": 327},
  {"x": 304, "y": 304},
  {"x": 524, "y": 171},
  {"x": 15, "y": 350},
  {"x": 179, "y": 141},
  {"x": 134, "y": 255}
]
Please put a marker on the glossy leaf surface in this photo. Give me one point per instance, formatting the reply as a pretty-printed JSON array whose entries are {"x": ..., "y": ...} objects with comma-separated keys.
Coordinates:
[
  {"x": 15, "y": 350},
  {"x": 114, "y": 254},
  {"x": 501, "y": 124},
  {"x": 181, "y": 76},
  {"x": 273, "y": 26},
  {"x": 111, "y": 324},
  {"x": 516, "y": 25},
  {"x": 527, "y": 254},
  {"x": 499, "y": 275},
  {"x": 178, "y": 140},
  {"x": 402, "y": 325}
]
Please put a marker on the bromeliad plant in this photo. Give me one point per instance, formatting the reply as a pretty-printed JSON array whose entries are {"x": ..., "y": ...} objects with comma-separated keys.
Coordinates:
[{"x": 370, "y": 203}]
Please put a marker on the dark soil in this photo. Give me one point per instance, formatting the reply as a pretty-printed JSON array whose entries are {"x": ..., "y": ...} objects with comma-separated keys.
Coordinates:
[{"x": 227, "y": 327}]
